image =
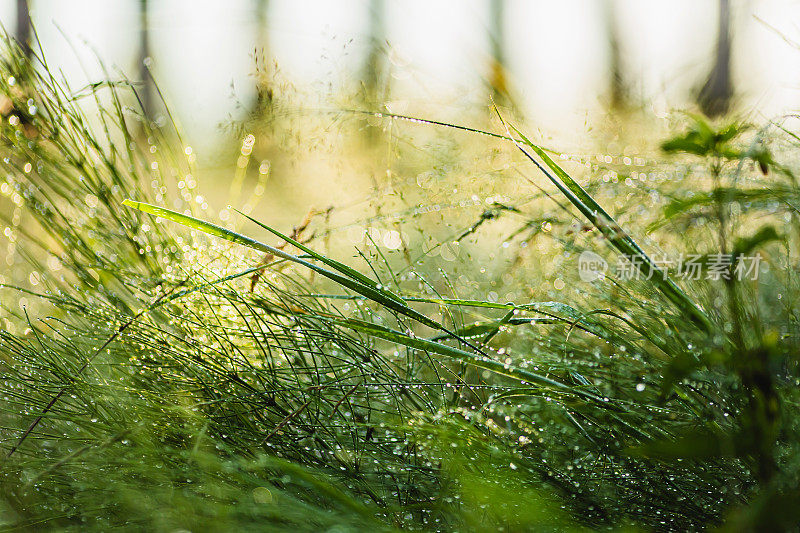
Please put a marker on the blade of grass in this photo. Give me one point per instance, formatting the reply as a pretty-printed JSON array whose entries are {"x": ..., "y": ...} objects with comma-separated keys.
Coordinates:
[
  {"x": 336, "y": 265},
  {"x": 371, "y": 291},
  {"x": 368, "y": 291},
  {"x": 484, "y": 362},
  {"x": 119, "y": 331},
  {"x": 590, "y": 209},
  {"x": 609, "y": 228}
]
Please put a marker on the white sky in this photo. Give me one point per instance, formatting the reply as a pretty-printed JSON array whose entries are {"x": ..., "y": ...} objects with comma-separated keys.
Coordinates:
[{"x": 557, "y": 51}]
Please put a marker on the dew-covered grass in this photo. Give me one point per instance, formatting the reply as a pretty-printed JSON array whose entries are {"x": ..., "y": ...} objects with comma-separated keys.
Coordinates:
[{"x": 421, "y": 353}]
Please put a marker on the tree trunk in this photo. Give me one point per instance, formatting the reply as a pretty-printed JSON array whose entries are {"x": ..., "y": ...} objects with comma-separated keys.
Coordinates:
[
  {"x": 715, "y": 95},
  {"x": 145, "y": 79},
  {"x": 264, "y": 92},
  {"x": 374, "y": 66},
  {"x": 23, "y": 30},
  {"x": 497, "y": 73},
  {"x": 618, "y": 90}
]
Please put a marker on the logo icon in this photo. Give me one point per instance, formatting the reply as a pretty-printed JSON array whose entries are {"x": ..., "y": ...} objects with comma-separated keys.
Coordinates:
[{"x": 591, "y": 266}]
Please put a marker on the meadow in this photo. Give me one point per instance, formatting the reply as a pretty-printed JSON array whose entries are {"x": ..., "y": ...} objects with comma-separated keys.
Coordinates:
[{"x": 491, "y": 335}]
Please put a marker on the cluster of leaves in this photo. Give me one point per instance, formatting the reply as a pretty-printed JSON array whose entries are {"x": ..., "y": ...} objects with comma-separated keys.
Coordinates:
[{"x": 158, "y": 391}]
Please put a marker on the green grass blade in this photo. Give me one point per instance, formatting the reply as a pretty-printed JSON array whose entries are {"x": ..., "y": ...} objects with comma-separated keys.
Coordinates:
[
  {"x": 336, "y": 265},
  {"x": 369, "y": 292},
  {"x": 612, "y": 231},
  {"x": 480, "y": 361}
]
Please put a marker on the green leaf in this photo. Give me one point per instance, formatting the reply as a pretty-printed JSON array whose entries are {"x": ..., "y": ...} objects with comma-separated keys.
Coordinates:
[
  {"x": 493, "y": 326},
  {"x": 688, "y": 144},
  {"x": 745, "y": 245},
  {"x": 702, "y": 140},
  {"x": 728, "y": 195}
]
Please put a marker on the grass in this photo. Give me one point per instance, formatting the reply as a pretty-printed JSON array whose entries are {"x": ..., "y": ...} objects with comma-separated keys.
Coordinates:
[{"x": 149, "y": 381}]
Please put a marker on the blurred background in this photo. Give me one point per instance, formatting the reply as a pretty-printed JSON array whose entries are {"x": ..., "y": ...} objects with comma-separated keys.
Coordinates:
[
  {"x": 261, "y": 90},
  {"x": 562, "y": 65}
]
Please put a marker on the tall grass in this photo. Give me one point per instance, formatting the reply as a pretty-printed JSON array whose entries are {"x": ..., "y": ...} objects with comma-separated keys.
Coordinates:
[{"x": 149, "y": 382}]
